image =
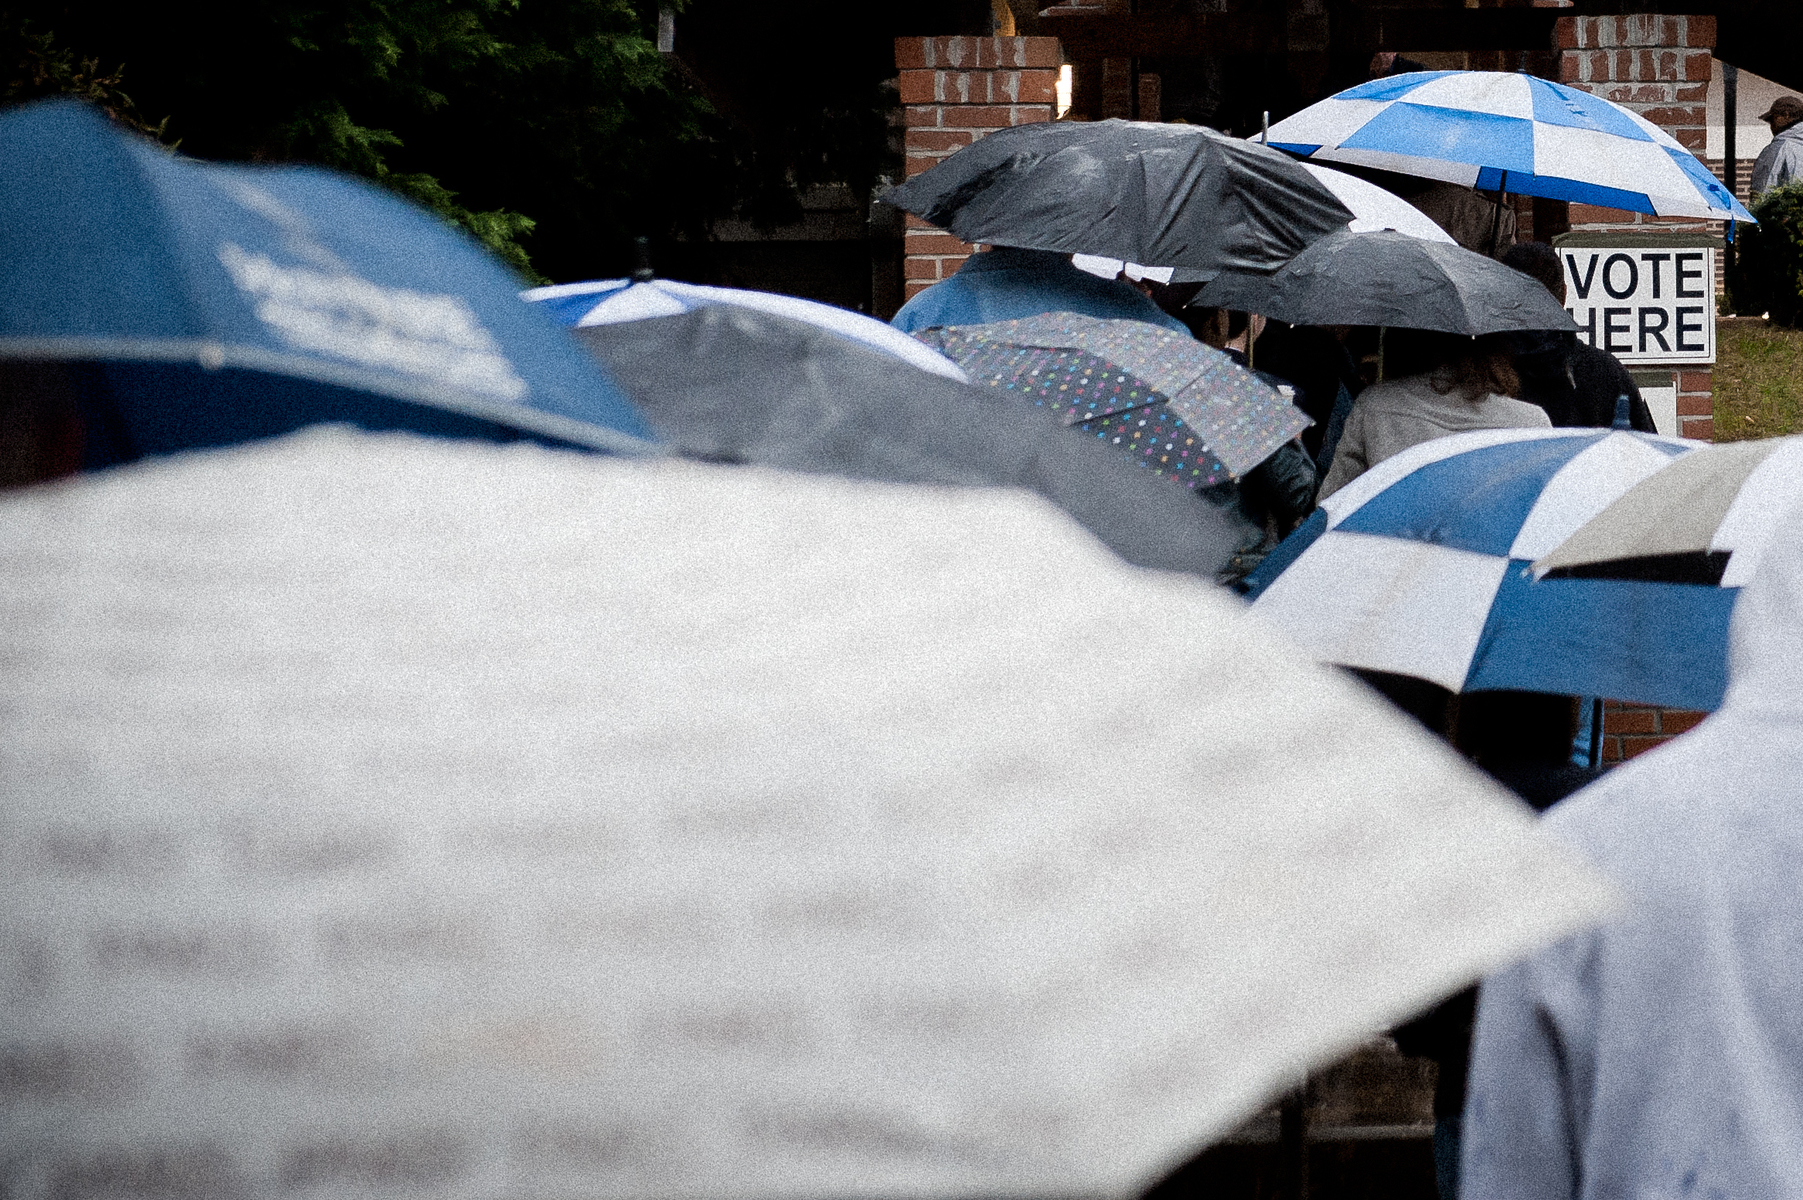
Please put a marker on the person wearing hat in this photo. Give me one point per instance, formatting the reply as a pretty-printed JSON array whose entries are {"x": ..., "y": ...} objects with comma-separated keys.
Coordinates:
[{"x": 1782, "y": 161}]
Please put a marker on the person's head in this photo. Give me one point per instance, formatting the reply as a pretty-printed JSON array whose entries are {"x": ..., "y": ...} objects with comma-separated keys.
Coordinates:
[
  {"x": 1542, "y": 262},
  {"x": 1784, "y": 112},
  {"x": 1224, "y": 327},
  {"x": 1453, "y": 363},
  {"x": 1382, "y": 63},
  {"x": 1476, "y": 367}
]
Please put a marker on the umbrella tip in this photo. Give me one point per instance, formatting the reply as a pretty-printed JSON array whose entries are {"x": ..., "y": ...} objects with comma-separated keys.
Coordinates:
[{"x": 643, "y": 272}]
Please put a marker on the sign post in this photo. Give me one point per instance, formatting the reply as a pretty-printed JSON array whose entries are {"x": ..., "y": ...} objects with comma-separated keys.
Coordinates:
[{"x": 1648, "y": 299}]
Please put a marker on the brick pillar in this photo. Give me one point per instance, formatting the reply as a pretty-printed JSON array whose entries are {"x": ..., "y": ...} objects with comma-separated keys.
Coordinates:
[
  {"x": 1630, "y": 729},
  {"x": 1659, "y": 67},
  {"x": 954, "y": 90}
]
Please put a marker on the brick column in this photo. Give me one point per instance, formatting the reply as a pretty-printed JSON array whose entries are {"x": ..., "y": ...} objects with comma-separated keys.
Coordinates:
[
  {"x": 1659, "y": 67},
  {"x": 1630, "y": 729},
  {"x": 954, "y": 90}
]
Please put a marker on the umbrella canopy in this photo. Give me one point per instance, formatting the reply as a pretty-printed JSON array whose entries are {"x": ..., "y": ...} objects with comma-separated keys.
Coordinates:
[
  {"x": 730, "y": 383},
  {"x": 609, "y": 301},
  {"x": 1509, "y": 132},
  {"x": 1392, "y": 279},
  {"x": 1374, "y": 209},
  {"x": 201, "y": 305},
  {"x": 1423, "y": 566},
  {"x": 1185, "y": 410},
  {"x": 511, "y": 823},
  {"x": 1705, "y": 519},
  {"x": 1166, "y": 195}
]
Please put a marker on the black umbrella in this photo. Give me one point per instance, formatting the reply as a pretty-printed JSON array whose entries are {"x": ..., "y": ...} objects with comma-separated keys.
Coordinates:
[
  {"x": 733, "y": 384},
  {"x": 1386, "y": 278},
  {"x": 1167, "y": 195}
]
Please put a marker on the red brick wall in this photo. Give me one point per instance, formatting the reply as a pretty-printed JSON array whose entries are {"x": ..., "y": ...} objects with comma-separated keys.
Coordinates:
[
  {"x": 1630, "y": 729},
  {"x": 953, "y": 91},
  {"x": 1659, "y": 67}
]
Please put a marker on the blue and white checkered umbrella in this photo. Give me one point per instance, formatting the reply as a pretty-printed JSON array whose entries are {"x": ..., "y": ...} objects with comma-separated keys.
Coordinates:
[
  {"x": 611, "y": 301},
  {"x": 1510, "y": 133},
  {"x": 1423, "y": 566}
]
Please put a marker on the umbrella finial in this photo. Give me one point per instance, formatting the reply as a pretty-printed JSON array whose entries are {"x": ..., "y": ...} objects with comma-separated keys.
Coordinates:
[
  {"x": 643, "y": 272},
  {"x": 1622, "y": 420}
]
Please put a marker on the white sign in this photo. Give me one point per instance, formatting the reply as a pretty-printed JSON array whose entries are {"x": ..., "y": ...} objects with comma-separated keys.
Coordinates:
[{"x": 1643, "y": 303}]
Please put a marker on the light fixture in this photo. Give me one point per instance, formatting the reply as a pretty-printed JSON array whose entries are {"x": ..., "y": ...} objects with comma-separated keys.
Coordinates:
[{"x": 1064, "y": 89}]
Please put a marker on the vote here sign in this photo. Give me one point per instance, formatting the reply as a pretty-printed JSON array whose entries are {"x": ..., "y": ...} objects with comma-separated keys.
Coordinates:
[{"x": 1643, "y": 303}]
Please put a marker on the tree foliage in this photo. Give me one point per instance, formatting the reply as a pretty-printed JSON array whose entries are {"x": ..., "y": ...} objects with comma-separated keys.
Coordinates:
[
  {"x": 36, "y": 66},
  {"x": 1769, "y": 264},
  {"x": 428, "y": 97},
  {"x": 549, "y": 126}
]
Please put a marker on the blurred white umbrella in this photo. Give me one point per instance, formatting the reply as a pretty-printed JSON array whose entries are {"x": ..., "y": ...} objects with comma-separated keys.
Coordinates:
[{"x": 384, "y": 813}]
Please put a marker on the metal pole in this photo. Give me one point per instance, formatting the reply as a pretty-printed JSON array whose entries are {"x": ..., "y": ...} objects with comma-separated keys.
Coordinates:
[
  {"x": 1292, "y": 1145},
  {"x": 1264, "y": 139},
  {"x": 1133, "y": 71},
  {"x": 1730, "y": 166},
  {"x": 1381, "y": 330},
  {"x": 1596, "y": 733},
  {"x": 1496, "y": 219}
]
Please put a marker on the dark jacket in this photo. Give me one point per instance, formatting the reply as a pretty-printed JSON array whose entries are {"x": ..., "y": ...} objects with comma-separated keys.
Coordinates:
[
  {"x": 1318, "y": 364},
  {"x": 1576, "y": 384},
  {"x": 1273, "y": 498}
]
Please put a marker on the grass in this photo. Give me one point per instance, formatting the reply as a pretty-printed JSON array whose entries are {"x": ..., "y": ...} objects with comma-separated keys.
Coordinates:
[{"x": 1758, "y": 380}]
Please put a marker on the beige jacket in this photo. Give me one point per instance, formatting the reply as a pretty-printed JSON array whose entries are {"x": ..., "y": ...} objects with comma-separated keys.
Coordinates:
[{"x": 1391, "y": 416}]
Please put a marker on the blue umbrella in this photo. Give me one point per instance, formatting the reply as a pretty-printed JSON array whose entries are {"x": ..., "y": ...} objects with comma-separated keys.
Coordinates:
[
  {"x": 1423, "y": 566},
  {"x": 171, "y": 304},
  {"x": 1509, "y": 133}
]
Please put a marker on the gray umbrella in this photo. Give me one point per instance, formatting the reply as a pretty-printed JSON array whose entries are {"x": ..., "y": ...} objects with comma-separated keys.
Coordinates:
[
  {"x": 1170, "y": 195},
  {"x": 1391, "y": 279},
  {"x": 732, "y": 384}
]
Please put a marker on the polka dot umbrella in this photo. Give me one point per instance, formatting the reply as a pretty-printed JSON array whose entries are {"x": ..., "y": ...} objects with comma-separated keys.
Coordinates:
[{"x": 1181, "y": 409}]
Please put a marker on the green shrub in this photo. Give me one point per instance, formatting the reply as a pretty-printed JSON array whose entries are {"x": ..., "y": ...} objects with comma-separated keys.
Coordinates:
[{"x": 1768, "y": 275}]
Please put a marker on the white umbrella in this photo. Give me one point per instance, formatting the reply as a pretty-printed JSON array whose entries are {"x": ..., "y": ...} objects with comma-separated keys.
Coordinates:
[
  {"x": 1705, "y": 518},
  {"x": 1375, "y": 209},
  {"x": 384, "y": 812},
  {"x": 614, "y": 301}
]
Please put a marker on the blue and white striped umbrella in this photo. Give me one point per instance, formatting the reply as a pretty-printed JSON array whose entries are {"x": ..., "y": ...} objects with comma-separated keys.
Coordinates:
[
  {"x": 1423, "y": 566},
  {"x": 611, "y": 301},
  {"x": 1510, "y": 133}
]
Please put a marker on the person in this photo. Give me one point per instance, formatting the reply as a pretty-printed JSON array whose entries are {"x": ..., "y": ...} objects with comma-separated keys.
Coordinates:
[
  {"x": 1781, "y": 162},
  {"x": 1316, "y": 360},
  {"x": 1467, "y": 383},
  {"x": 1661, "y": 1054},
  {"x": 1278, "y": 494},
  {"x": 1005, "y": 283},
  {"x": 1575, "y": 383},
  {"x": 1386, "y": 63},
  {"x": 1479, "y": 221}
]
